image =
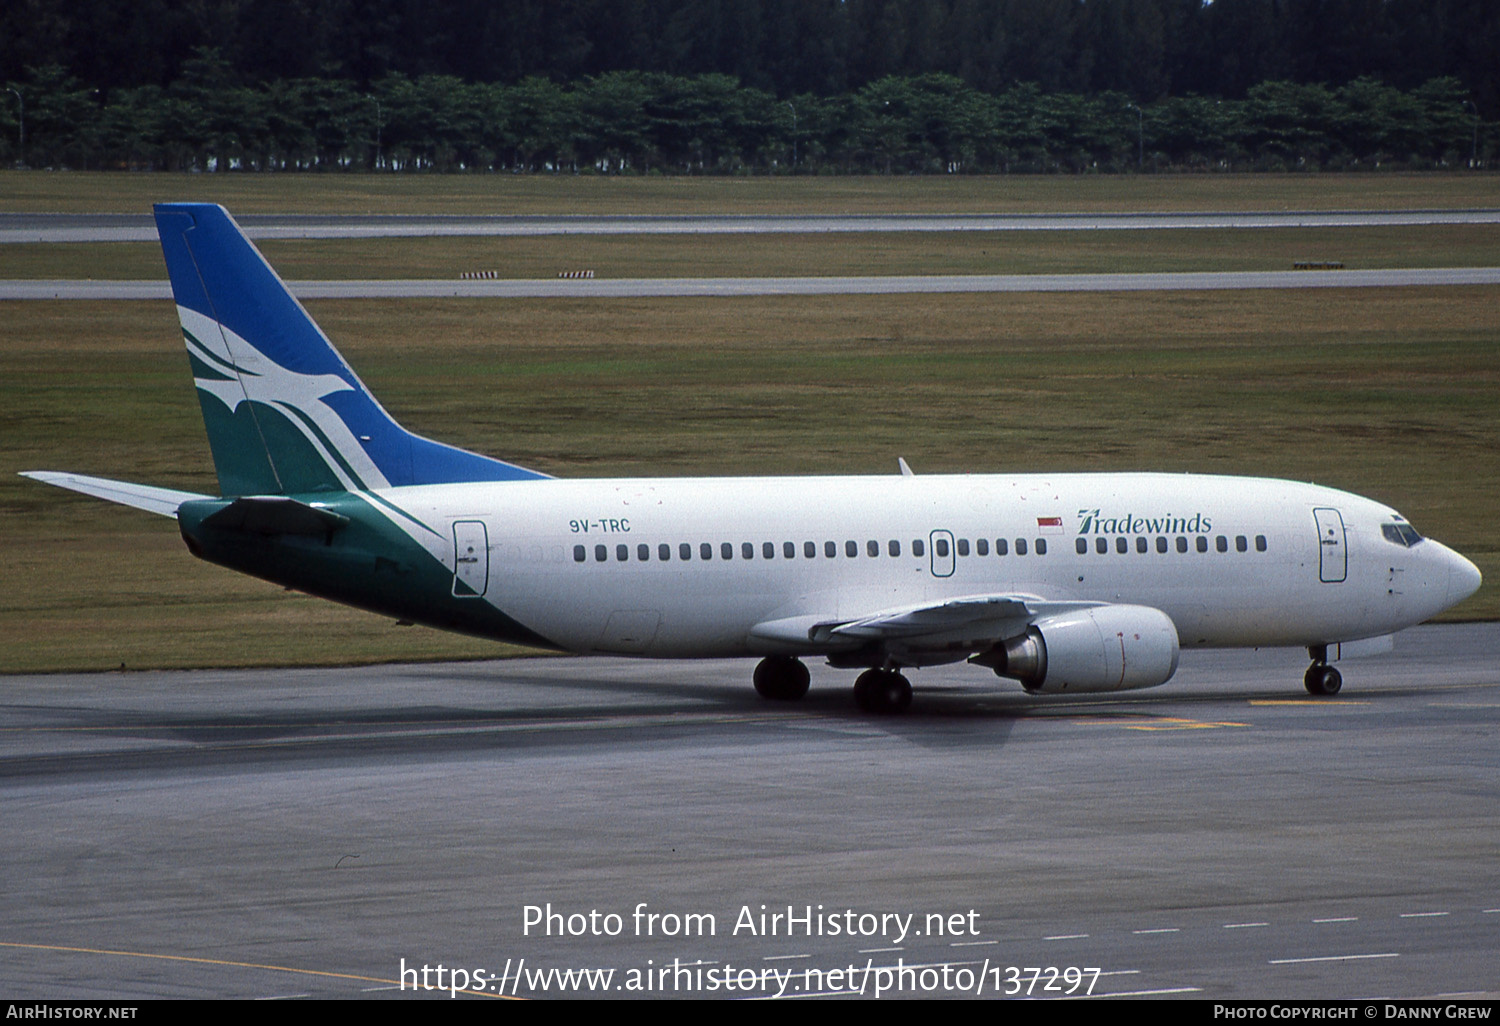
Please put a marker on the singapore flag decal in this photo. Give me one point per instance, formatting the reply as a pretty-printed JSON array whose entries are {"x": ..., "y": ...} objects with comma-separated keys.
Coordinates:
[{"x": 1049, "y": 525}]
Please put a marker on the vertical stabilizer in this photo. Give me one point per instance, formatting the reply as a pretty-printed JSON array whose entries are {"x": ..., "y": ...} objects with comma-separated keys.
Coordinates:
[{"x": 284, "y": 412}]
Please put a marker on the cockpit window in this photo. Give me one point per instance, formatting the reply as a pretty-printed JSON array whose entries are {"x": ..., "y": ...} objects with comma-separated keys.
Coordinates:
[{"x": 1401, "y": 534}]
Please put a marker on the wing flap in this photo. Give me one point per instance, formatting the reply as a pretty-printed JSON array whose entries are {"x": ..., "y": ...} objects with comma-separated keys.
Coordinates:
[{"x": 969, "y": 623}]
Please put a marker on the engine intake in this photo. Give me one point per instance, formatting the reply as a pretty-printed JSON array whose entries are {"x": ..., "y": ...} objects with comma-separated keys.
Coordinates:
[{"x": 1107, "y": 648}]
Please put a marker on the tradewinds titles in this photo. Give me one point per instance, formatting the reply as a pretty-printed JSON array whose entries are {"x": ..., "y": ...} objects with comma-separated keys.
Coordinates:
[{"x": 1091, "y": 521}]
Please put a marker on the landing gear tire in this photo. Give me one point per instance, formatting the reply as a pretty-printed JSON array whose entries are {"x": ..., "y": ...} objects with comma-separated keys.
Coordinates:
[
  {"x": 1322, "y": 680},
  {"x": 781, "y": 678},
  {"x": 884, "y": 692}
]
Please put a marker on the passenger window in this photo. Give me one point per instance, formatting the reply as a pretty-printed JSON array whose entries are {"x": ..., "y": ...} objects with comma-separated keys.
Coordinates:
[
  {"x": 1161, "y": 544},
  {"x": 685, "y": 551},
  {"x": 789, "y": 550},
  {"x": 1202, "y": 543},
  {"x": 830, "y": 549},
  {"x": 1241, "y": 544},
  {"x": 747, "y": 550},
  {"x": 981, "y": 547},
  {"x": 872, "y": 547},
  {"x": 579, "y": 554},
  {"x": 601, "y": 553},
  {"x": 1002, "y": 547},
  {"x": 1221, "y": 543},
  {"x": 705, "y": 551},
  {"x": 963, "y": 546},
  {"x": 1260, "y": 543},
  {"x": 643, "y": 552},
  {"x": 1140, "y": 545},
  {"x": 917, "y": 548},
  {"x": 1082, "y": 546},
  {"x": 768, "y": 550},
  {"x": 1041, "y": 546},
  {"x": 1101, "y": 545},
  {"x": 810, "y": 550},
  {"x": 893, "y": 547},
  {"x": 1020, "y": 546},
  {"x": 1121, "y": 545},
  {"x": 664, "y": 552},
  {"x": 940, "y": 547},
  {"x": 1181, "y": 543},
  {"x": 622, "y": 552},
  {"x": 851, "y": 549},
  {"x": 726, "y": 550}
]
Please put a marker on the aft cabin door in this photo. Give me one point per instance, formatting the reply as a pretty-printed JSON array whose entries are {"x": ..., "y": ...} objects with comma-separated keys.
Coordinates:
[
  {"x": 471, "y": 559},
  {"x": 1333, "y": 554}
]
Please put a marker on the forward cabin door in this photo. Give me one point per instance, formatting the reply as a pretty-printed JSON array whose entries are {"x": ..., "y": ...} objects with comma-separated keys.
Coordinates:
[{"x": 1333, "y": 553}]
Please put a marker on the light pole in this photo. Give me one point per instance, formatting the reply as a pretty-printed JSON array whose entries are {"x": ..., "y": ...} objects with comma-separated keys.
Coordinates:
[
  {"x": 379, "y": 124},
  {"x": 1474, "y": 145},
  {"x": 794, "y": 133},
  {"x": 21, "y": 144}
]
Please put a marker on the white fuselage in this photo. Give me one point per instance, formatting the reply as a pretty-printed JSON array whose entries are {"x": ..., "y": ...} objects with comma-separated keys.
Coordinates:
[{"x": 688, "y": 567}]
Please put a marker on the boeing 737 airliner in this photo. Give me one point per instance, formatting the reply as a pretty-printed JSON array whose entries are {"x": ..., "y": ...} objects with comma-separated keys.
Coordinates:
[{"x": 1067, "y": 583}]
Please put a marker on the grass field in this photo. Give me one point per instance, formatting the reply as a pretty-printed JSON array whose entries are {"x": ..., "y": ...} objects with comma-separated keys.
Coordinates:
[
  {"x": 39, "y": 191},
  {"x": 1391, "y": 393}
]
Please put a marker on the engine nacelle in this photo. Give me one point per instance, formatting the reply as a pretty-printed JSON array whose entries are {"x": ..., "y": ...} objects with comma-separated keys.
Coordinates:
[{"x": 1105, "y": 648}]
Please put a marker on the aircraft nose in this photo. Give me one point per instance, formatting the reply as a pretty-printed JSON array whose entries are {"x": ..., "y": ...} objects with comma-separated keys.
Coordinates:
[{"x": 1463, "y": 578}]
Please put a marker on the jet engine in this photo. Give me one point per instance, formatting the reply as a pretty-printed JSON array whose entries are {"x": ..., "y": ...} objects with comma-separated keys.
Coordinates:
[{"x": 1105, "y": 648}]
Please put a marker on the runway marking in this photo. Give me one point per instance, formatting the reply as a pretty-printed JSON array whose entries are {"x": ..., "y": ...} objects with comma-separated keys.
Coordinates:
[
  {"x": 1177, "y": 723},
  {"x": 777, "y": 958},
  {"x": 1139, "y": 993},
  {"x": 224, "y": 962},
  {"x": 1339, "y": 919},
  {"x": 1331, "y": 958},
  {"x": 980, "y": 944},
  {"x": 1066, "y": 936},
  {"x": 1133, "y": 721},
  {"x": 1420, "y": 915},
  {"x": 1162, "y": 929},
  {"x": 1307, "y": 701},
  {"x": 1243, "y": 926}
]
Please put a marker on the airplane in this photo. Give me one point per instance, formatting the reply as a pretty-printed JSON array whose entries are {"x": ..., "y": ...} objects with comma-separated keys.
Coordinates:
[{"x": 1066, "y": 583}]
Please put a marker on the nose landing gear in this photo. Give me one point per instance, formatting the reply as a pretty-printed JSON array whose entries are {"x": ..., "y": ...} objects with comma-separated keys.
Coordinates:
[{"x": 1321, "y": 679}]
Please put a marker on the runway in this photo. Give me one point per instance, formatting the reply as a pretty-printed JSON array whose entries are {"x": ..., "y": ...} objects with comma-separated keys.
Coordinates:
[
  {"x": 23, "y": 228},
  {"x": 276, "y": 833},
  {"x": 618, "y": 288}
]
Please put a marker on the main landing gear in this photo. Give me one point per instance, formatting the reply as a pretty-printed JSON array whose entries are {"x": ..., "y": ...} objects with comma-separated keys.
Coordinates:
[
  {"x": 1321, "y": 679},
  {"x": 882, "y": 691},
  {"x": 781, "y": 678},
  {"x": 785, "y": 679}
]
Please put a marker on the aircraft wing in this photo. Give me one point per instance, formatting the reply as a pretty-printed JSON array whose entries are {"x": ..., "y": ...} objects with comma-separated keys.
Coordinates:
[
  {"x": 955, "y": 627},
  {"x": 162, "y": 501}
]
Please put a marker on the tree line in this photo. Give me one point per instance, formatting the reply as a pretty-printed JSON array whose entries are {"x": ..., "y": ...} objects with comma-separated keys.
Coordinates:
[
  {"x": 653, "y": 122},
  {"x": 1146, "y": 49}
]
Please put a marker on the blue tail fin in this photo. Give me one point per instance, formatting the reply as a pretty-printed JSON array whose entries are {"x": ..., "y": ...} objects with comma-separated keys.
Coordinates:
[{"x": 284, "y": 412}]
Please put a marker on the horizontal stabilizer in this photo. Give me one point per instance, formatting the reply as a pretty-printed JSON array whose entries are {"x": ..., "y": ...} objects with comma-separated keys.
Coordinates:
[
  {"x": 163, "y": 501},
  {"x": 275, "y": 514}
]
